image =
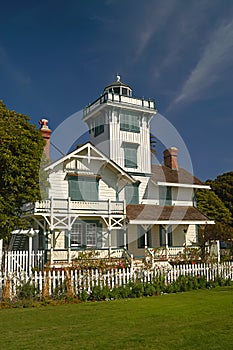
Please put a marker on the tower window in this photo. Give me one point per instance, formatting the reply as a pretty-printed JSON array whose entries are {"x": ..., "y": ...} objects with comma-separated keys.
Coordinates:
[
  {"x": 130, "y": 156},
  {"x": 124, "y": 92},
  {"x": 98, "y": 126},
  {"x": 129, "y": 122}
]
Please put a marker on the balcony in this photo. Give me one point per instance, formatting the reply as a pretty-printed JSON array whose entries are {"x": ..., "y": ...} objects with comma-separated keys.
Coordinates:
[
  {"x": 127, "y": 100},
  {"x": 63, "y": 206}
]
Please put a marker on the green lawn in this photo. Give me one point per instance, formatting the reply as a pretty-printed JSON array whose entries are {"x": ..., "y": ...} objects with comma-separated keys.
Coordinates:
[{"x": 200, "y": 319}]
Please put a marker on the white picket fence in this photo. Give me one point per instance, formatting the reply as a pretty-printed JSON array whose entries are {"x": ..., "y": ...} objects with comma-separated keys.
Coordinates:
[
  {"x": 18, "y": 261},
  {"x": 50, "y": 282}
]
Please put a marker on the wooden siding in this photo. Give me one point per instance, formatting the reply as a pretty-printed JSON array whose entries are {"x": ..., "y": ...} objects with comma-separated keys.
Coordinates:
[
  {"x": 142, "y": 187},
  {"x": 106, "y": 192},
  {"x": 58, "y": 185}
]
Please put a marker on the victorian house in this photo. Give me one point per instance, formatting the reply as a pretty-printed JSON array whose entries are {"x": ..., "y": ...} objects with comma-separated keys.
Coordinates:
[{"x": 108, "y": 197}]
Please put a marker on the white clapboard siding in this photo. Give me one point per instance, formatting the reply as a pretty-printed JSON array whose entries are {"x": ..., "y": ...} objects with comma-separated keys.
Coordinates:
[
  {"x": 191, "y": 234},
  {"x": 106, "y": 192},
  {"x": 142, "y": 187},
  {"x": 58, "y": 185}
]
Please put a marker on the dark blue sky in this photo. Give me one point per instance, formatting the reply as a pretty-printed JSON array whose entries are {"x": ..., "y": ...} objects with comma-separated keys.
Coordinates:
[{"x": 57, "y": 56}]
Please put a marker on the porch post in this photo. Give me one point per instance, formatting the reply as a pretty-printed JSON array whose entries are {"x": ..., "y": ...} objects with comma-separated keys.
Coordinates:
[
  {"x": 51, "y": 247},
  {"x": 166, "y": 240},
  {"x": 30, "y": 254},
  {"x": 69, "y": 251},
  {"x": 109, "y": 241},
  {"x": 125, "y": 241},
  {"x": 145, "y": 234}
]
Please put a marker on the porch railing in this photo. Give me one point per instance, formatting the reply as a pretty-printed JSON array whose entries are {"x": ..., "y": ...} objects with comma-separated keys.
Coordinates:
[{"x": 56, "y": 204}]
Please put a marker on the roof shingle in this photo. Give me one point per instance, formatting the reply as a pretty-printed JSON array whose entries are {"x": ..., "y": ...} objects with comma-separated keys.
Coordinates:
[
  {"x": 165, "y": 174},
  {"x": 166, "y": 213}
]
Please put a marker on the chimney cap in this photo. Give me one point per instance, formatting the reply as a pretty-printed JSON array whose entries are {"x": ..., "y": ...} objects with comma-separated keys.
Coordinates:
[{"x": 43, "y": 122}]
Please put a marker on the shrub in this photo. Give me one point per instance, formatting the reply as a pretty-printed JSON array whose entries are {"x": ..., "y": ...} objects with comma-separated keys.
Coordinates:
[
  {"x": 149, "y": 289},
  {"x": 99, "y": 293},
  {"x": 26, "y": 290}
]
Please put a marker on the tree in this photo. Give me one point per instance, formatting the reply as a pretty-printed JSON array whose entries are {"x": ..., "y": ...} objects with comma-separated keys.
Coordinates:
[
  {"x": 212, "y": 206},
  {"x": 223, "y": 187},
  {"x": 21, "y": 148}
]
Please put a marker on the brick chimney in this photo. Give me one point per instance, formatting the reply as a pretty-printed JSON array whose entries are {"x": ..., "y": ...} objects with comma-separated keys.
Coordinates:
[
  {"x": 46, "y": 134},
  {"x": 170, "y": 158}
]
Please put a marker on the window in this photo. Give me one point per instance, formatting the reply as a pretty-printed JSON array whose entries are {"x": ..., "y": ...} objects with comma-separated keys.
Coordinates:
[
  {"x": 84, "y": 234},
  {"x": 120, "y": 238},
  {"x": 83, "y": 188},
  {"x": 91, "y": 231},
  {"x": 165, "y": 195},
  {"x": 41, "y": 238},
  {"x": 98, "y": 126},
  {"x": 162, "y": 234},
  {"x": 116, "y": 90},
  {"x": 141, "y": 238},
  {"x": 124, "y": 91},
  {"x": 76, "y": 235},
  {"x": 130, "y": 155},
  {"x": 129, "y": 122},
  {"x": 131, "y": 194}
]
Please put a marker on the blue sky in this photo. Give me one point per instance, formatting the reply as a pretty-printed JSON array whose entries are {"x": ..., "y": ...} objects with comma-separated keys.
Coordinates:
[{"x": 57, "y": 56}]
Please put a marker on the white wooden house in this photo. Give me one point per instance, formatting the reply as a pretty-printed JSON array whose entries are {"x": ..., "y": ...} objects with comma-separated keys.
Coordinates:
[{"x": 108, "y": 197}]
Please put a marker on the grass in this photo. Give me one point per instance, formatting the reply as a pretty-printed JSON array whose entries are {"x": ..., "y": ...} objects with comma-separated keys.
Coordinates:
[{"x": 199, "y": 319}]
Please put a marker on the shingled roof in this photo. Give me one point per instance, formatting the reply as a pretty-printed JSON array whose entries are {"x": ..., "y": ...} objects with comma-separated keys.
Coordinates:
[
  {"x": 165, "y": 174},
  {"x": 164, "y": 213}
]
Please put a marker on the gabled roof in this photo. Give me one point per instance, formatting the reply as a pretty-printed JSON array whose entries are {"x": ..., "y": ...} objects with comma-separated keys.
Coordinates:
[
  {"x": 155, "y": 214},
  {"x": 92, "y": 153},
  {"x": 162, "y": 174}
]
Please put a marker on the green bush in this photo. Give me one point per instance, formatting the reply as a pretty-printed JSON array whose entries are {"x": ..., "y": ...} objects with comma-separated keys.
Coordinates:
[
  {"x": 83, "y": 295},
  {"x": 99, "y": 293},
  {"x": 149, "y": 289},
  {"x": 26, "y": 291}
]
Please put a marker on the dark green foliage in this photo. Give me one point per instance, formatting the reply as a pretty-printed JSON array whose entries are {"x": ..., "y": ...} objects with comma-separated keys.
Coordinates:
[
  {"x": 213, "y": 207},
  {"x": 223, "y": 187},
  {"x": 99, "y": 293},
  {"x": 137, "y": 290},
  {"x": 149, "y": 289},
  {"x": 21, "y": 148},
  {"x": 26, "y": 290},
  {"x": 83, "y": 295}
]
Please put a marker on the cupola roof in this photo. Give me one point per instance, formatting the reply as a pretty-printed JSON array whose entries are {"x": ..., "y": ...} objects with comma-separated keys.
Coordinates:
[{"x": 119, "y": 87}]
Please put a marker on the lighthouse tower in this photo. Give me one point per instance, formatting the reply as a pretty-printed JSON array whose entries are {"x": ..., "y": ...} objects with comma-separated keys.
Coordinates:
[{"x": 119, "y": 125}]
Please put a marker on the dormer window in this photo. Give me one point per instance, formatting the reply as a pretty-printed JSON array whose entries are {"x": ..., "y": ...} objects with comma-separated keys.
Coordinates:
[{"x": 83, "y": 188}]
